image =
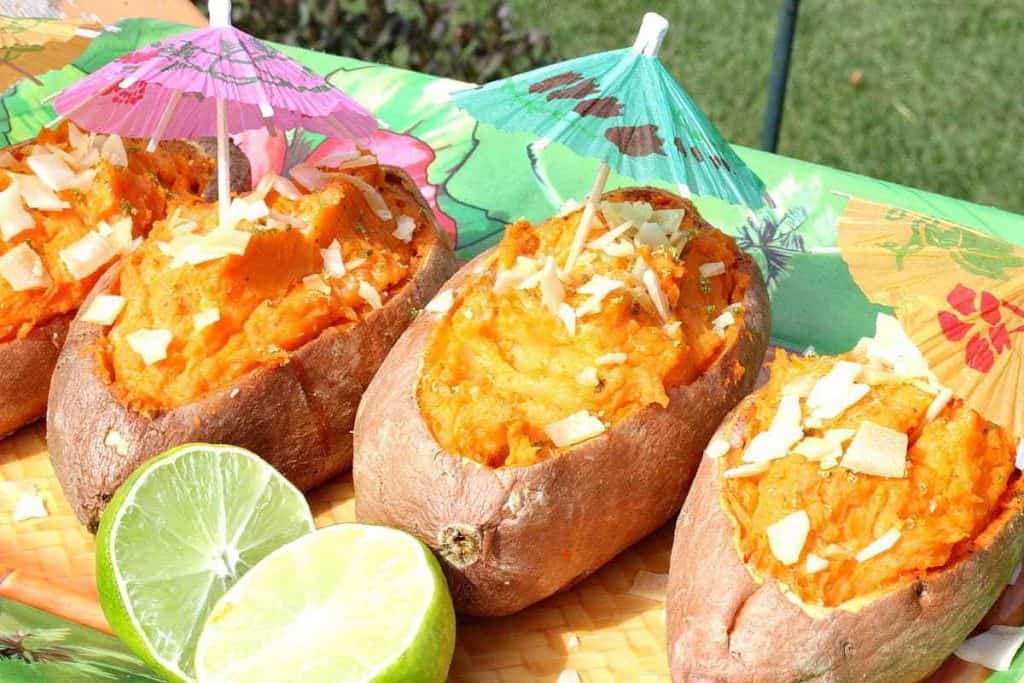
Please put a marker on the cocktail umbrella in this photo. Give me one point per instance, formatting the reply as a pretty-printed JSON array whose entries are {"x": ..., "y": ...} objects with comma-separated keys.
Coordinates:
[
  {"x": 32, "y": 46},
  {"x": 624, "y": 108},
  {"x": 958, "y": 293},
  {"x": 211, "y": 81}
]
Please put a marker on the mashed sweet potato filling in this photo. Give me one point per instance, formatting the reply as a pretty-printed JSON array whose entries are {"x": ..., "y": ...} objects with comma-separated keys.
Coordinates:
[
  {"x": 527, "y": 360},
  {"x": 867, "y": 532},
  {"x": 113, "y": 180},
  {"x": 218, "y": 303}
]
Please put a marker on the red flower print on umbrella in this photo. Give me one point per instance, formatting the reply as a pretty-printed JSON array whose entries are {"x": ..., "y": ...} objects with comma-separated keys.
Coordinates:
[{"x": 991, "y": 333}]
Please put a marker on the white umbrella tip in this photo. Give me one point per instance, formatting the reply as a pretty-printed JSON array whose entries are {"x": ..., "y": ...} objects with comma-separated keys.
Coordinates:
[
  {"x": 652, "y": 32},
  {"x": 220, "y": 12}
]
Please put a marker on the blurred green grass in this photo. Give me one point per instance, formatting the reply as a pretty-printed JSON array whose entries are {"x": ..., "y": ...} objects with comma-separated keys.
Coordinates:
[{"x": 941, "y": 105}]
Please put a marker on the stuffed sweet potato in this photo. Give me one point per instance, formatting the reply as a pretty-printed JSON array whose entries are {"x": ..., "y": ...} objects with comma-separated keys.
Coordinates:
[
  {"x": 852, "y": 522},
  {"x": 533, "y": 423},
  {"x": 262, "y": 333},
  {"x": 70, "y": 205}
]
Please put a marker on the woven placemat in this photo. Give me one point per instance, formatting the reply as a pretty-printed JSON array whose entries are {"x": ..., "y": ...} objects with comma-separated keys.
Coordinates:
[{"x": 599, "y": 628}]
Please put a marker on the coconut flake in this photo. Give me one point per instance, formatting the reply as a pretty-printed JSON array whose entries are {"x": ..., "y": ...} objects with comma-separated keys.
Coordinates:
[
  {"x": 104, "y": 309},
  {"x": 551, "y": 291},
  {"x": 205, "y": 318},
  {"x": 117, "y": 442},
  {"x": 767, "y": 446},
  {"x": 746, "y": 470},
  {"x": 334, "y": 266},
  {"x": 650, "y": 235},
  {"x": 251, "y": 208},
  {"x": 286, "y": 188},
  {"x": 787, "y": 537},
  {"x": 716, "y": 448},
  {"x": 373, "y": 197},
  {"x": 995, "y": 648},
  {"x": 370, "y": 295},
  {"x": 713, "y": 269},
  {"x": 569, "y": 676},
  {"x": 893, "y": 347},
  {"x": 441, "y": 303},
  {"x": 723, "y": 322},
  {"x": 571, "y": 640},
  {"x": 801, "y": 386},
  {"x": 649, "y": 585},
  {"x": 406, "y": 226},
  {"x": 315, "y": 282},
  {"x": 29, "y": 506},
  {"x": 612, "y": 359},
  {"x": 598, "y": 287},
  {"x": 938, "y": 404},
  {"x": 836, "y": 391},
  {"x": 568, "y": 317},
  {"x": 197, "y": 249},
  {"x": 587, "y": 377},
  {"x": 815, "y": 564},
  {"x": 602, "y": 241},
  {"x": 113, "y": 151},
  {"x": 14, "y": 219},
  {"x": 52, "y": 170},
  {"x": 516, "y": 275},
  {"x": 151, "y": 345},
  {"x": 23, "y": 269},
  {"x": 650, "y": 280},
  {"x": 36, "y": 194},
  {"x": 877, "y": 450},
  {"x": 879, "y": 545},
  {"x": 616, "y": 213},
  {"x": 310, "y": 177},
  {"x": 578, "y": 427},
  {"x": 88, "y": 254}
]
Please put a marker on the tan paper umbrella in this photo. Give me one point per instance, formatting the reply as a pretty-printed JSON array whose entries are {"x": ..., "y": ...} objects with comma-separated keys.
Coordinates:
[
  {"x": 32, "y": 46},
  {"x": 959, "y": 294}
]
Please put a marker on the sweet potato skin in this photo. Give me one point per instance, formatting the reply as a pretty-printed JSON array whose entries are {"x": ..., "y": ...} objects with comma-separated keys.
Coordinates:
[
  {"x": 297, "y": 416},
  {"x": 726, "y": 627},
  {"x": 27, "y": 364},
  {"x": 510, "y": 537}
]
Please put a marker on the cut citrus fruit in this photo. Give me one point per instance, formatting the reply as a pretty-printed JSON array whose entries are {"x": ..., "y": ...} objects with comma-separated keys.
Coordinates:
[
  {"x": 350, "y": 602},
  {"x": 177, "y": 534}
]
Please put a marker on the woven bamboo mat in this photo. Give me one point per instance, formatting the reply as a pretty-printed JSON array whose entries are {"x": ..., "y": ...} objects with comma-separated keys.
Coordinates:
[{"x": 599, "y": 629}]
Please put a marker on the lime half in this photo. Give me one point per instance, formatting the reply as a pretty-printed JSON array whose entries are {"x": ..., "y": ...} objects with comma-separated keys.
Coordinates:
[
  {"x": 178, "y": 533},
  {"x": 348, "y": 603}
]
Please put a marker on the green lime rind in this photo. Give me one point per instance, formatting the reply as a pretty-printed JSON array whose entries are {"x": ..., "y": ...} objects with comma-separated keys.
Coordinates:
[
  {"x": 348, "y": 603},
  {"x": 178, "y": 534}
]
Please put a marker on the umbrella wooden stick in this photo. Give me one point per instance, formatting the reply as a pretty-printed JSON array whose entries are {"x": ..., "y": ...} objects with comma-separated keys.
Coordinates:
[
  {"x": 220, "y": 15},
  {"x": 223, "y": 163},
  {"x": 648, "y": 41},
  {"x": 165, "y": 119}
]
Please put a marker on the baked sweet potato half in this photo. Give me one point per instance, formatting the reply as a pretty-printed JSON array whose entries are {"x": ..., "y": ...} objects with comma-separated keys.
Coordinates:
[
  {"x": 533, "y": 423},
  {"x": 70, "y": 205},
  {"x": 852, "y": 521},
  {"x": 262, "y": 333}
]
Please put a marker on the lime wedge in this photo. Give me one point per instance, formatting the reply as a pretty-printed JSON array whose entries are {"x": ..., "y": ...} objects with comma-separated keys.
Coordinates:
[
  {"x": 177, "y": 534},
  {"x": 348, "y": 603}
]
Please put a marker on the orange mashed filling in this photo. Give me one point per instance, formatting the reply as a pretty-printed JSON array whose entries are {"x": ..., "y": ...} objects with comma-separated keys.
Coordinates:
[
  {"x": 959, "y": 470},
  {"x": 265, "y": 303},
  {"x": 141, "y": 190},
  {"x": 500, "y": 366}
]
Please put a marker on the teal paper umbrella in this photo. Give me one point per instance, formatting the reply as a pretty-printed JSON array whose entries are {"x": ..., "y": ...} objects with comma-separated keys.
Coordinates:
[{"x": 624, "y": 108}]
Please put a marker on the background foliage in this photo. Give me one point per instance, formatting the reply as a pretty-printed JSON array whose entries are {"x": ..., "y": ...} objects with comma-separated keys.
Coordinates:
[{"x": 925, "y": 93}]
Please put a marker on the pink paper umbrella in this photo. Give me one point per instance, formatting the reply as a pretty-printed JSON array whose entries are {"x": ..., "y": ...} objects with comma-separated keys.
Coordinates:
[{"x": 212, "y": 81}]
